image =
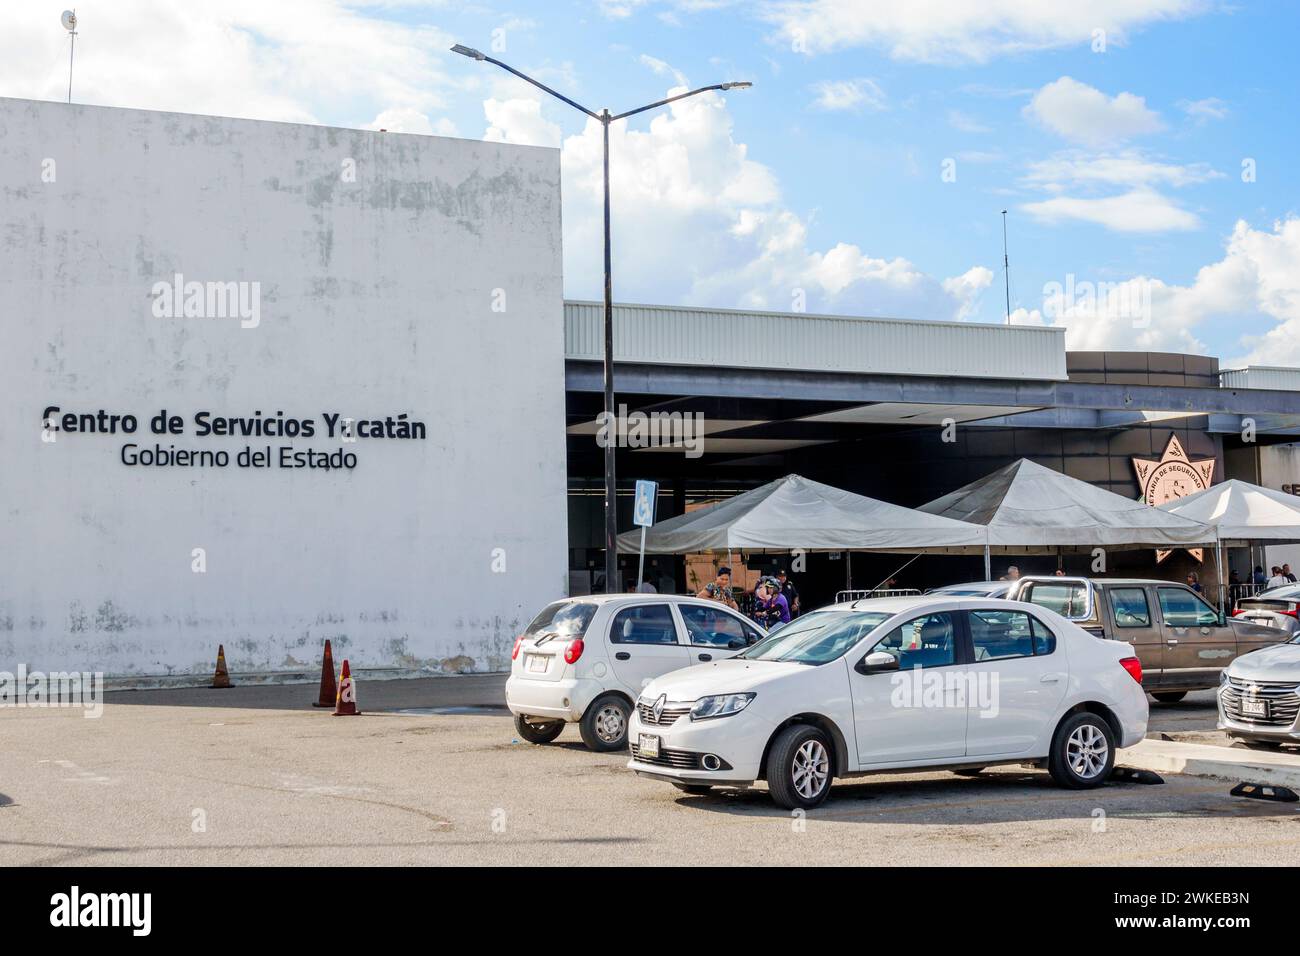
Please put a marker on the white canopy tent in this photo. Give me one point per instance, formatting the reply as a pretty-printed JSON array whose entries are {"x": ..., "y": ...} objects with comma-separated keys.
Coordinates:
[
  {"x": 1030, "y": 509},
  {"x": 1241, "y": 513},
  {"x": 794, "y": 512}
]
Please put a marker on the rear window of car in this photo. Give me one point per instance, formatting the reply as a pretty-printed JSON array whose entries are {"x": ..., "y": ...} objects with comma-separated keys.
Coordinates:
[
  {"x": 564, "y": 618},
  {"x": 1068, "y": 599}
]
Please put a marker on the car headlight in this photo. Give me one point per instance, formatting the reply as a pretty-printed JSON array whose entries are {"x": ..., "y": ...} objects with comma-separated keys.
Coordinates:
[
  {"x": 722, "y": 705},
  {"x": 1223, "y": 677}
]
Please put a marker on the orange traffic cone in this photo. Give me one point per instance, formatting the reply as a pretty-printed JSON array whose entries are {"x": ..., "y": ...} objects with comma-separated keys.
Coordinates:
[
  {"x": 222, "y": 677},
  {"x": 346, "y": 705},
  {"x": 328, "y": 689}
]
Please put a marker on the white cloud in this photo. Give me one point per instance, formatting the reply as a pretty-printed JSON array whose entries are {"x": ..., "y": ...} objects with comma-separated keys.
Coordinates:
[
  {"x": 696, "y": 221},
  {"x": 660, "y": 68},
  {"x": 1139, "y": 210},
  {"x": 1202, "y": 111},
  {"x": 519, "y": 121},
  {"x": 1126, "y": 168},
  {"x": 1083, "y": 114},
  {"x": 406, "y": 120},
  {"x": 859, "y": 94},
  {"x": 293, "y": 60},
  {"x": 961, "y": 30},
  {"x": 1258, "y": 276},
  {"x": 965, "y": 123}
]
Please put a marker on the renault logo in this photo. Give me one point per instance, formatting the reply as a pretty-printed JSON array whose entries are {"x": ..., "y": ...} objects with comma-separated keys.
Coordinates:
[{"x": 658, "y": 708}]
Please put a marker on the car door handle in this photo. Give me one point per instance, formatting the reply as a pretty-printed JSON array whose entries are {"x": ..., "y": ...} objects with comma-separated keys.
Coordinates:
[
  {"x": 1172, "y": 640},
  {"x": 622, "y": 656},
  {"x": 1049, "y": 679},
  {"x": 706, "y": 657}
]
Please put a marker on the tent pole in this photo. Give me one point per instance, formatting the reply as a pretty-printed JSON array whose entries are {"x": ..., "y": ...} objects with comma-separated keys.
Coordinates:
[
  {"x": 988, "y": 564},
  {"x": 848, "y": 570},
  {"x": 1218, "y": 570}
]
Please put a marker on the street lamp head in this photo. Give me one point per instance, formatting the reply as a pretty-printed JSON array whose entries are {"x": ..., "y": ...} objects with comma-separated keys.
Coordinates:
[
  {"x": 741, "y": 85},
  {"x": 469, "y": 52}
]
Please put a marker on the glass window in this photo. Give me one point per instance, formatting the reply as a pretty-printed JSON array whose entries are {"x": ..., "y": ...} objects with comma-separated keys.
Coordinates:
[
  {"x": 1068, "y": 599},
  {"x": 1129, "y": 605},
  {"x": 708, "y": 627},
  {"x": 564, "y": 618},
  {"x": 816, "y": 638},
  {"x": 996, "y": 635},
  {"x": 1044, "y": 639},
  {"x": 1182, "y": 608},
  {"x": 643, "y": 624},
  {"x": 926, "y": 641}
]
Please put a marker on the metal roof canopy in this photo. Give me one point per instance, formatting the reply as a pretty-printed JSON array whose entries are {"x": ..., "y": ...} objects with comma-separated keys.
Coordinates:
[
  {"x": 1030, "y": 509},
  {"x": 796, "y": 512},
  {"x": 1242, "y": 513}
]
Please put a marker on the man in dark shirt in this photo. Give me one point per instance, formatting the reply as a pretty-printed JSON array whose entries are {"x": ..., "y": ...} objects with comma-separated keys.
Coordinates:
[{"x": 790, "y": 592}]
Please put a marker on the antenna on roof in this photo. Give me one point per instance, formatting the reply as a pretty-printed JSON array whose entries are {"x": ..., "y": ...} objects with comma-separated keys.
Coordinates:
[
  {"x": 69, "y": 20},
  {"x": 1006, "y": 265}
]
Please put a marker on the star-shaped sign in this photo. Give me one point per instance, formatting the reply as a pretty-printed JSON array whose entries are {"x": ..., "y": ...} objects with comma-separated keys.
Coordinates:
[{"x": 1173, "y": 476}]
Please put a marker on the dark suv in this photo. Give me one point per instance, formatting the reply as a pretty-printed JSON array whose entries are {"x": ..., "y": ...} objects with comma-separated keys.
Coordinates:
[{"x": 1182, "y": 641}]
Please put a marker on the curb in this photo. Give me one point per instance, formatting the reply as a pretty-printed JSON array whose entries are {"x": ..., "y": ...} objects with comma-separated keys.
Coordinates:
[{"x": 1220, "y": 763}]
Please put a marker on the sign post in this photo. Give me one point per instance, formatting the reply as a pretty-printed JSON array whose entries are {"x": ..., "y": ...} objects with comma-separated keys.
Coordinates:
[{"x": 643, "y": 514}]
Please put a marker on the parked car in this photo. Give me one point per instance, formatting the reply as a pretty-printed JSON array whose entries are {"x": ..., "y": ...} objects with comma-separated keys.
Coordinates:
[
  {"x": 1279, "y": 608},
  {"x": 1259, "y": 695},
  {"x": 583, "y": 660},
  {"x": 1182, "y": 641},
  {"x": 993, "y": 589},
  {"x": 889, "y": 684}
]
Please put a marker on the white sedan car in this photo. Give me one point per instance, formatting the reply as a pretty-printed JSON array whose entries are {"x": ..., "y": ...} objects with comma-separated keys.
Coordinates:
[{"x": 906, "y": 683}]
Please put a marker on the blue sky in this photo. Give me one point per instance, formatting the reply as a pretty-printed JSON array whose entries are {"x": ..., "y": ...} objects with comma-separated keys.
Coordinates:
[{"x": 864, "y": 172}]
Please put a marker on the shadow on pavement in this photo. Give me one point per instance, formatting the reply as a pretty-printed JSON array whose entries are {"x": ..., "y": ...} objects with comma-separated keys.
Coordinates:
[{"x": 474, "y": 693}]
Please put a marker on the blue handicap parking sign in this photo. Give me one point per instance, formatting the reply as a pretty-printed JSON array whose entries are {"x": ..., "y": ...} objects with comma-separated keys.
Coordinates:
[{"x": 643, "y": 512}]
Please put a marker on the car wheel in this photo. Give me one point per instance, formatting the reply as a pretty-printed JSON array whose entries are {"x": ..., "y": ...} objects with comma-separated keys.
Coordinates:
[
  {"x": 537, "y": 731},
  {"x": 799, "y": 768},
  {"x": 695, "y": 789},
  {"x": 969, "y": 771},
  {"x": 1083, "y": 752},
  {"x": 604, "y": 725},
  {"x": 1170, "y": 696}
]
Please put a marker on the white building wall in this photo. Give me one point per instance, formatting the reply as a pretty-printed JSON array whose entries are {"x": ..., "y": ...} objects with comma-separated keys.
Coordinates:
[{"x": 377, "y": 298}]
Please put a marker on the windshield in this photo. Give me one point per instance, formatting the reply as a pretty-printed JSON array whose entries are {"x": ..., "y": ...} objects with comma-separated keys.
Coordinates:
[
  {"x": 816, "y": 638},
  {"x": 567, "y": 619}
]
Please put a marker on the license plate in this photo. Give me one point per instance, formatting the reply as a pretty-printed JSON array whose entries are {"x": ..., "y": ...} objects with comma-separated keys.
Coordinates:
[
  {"x": 648, "y": 745},
  {"x": 537, "y": 663},
  {"x": 1266, "y": 621},
  {"x": 1254, "y": 708}
]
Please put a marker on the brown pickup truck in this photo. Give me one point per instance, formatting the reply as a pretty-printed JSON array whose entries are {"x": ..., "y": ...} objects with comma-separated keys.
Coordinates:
[{"x": 1182, "y": 641}]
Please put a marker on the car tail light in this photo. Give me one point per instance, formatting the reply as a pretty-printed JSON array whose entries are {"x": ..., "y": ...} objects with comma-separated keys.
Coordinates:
[
  {"x": 1237, "y": 612},
  {"x": 1134, "y": 668},
  {"x": 1291, "y": 610},
  {"x": 515, "y": 653},
  {"x": 573, "y": 651}
]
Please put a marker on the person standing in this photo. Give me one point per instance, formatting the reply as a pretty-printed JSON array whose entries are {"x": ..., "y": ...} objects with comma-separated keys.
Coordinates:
[
  {"x": 1278, "y": 580},
  {"x": 1286, "y": 573},
  {"x": 719, "y": 589},
  {"x": 1194, "y": 581},
  {"x": 788, "y": 591}
]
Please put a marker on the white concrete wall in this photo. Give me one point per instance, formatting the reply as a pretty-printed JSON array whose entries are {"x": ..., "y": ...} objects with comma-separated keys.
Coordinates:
[{"x": 376, "y": 299}]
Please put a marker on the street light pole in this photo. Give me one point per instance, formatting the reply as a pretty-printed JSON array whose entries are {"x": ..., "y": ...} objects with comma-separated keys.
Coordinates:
[{"x": 605, "y": 119}]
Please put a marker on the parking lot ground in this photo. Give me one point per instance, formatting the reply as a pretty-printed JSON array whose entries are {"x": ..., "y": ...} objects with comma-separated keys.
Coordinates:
[{"x": 432, "y": 774}]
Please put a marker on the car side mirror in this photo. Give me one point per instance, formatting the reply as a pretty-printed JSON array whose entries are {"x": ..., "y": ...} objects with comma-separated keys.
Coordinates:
[
  {"x": 877, "y": 662},
  {"x": 736, "y": 643}
]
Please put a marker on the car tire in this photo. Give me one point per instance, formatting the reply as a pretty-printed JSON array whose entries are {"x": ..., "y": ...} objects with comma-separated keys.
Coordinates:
[
  {"x": 1169, "y": 696},
  {"x": 1083, "y": 752},
  {"x": 604, "y": 725},
  {"x": 537, "y": 731},
  {"x": 969, "y": 771},
  {"x": 800, "y": 767},
  {"x": 695, "y": 789}
]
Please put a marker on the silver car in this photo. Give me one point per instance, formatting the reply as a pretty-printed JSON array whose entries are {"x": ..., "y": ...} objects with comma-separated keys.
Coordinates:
[
  {"x": 1276, "y": 608},
  {"x": 1259, "y": 695},
  {"x": 983, "y": 589}
]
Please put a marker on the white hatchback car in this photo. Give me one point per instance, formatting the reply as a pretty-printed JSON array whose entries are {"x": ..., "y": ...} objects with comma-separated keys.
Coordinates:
[
  {"x": 924, "y": 682},
  {"x": 584, "y": 660}
]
